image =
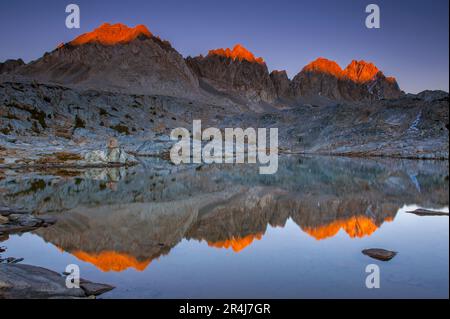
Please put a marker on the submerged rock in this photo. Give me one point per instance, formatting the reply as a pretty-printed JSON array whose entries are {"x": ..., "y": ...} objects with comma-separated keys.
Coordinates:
[{"x": 380, "y": 254}]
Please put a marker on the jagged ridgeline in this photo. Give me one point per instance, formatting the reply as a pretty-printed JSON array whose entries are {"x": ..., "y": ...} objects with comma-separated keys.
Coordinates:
[
  {"x": 125, "y": 81},
  {"x": 133, "y": 60}
]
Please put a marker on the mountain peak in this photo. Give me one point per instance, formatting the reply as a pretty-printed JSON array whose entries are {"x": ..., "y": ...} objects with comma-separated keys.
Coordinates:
[
  {"x": 111, "y": 34},
  {"x": 340, "y": 84},
  {"x": 323, "y": 65},
  {"x": 361, "y": 71},
  {"x": 239, "y": 52}
]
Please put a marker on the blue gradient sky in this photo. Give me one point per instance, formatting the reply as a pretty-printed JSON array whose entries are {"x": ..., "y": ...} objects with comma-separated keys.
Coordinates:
[{"x": 411, "y": 45}]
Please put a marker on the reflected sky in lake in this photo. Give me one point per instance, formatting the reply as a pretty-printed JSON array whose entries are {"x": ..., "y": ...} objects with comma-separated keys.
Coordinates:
[{"x": 161, "y": 231}]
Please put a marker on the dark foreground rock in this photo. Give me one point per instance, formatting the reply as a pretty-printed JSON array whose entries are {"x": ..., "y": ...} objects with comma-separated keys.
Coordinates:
[
  {"x": 426, "y": 212},
  {"x": 380, "y": 254},
  {"x": 18, "y": 281},
  {"x": 25, "y": 281}
]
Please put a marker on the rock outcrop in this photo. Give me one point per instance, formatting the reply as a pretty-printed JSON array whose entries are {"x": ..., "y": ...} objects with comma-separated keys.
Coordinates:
[
  {"x": 116, "y": 58},
  {"x": 359, "y": 81},
  {"x": 10, "y": 65},
  {"x": 112, "y": 155},
  {"x": 431, "y": 96},
  {"x": 235, "y": 71},
  {"x": 281, "y": 83},
  {"x": 26, "y": 281}
]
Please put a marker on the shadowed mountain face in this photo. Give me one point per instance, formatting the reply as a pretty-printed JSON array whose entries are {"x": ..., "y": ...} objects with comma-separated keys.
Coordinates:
[
  {"x": 10, "y": 65},
  {"x": 125, "y": 220},
  {"x": 282, "y": 84},
  {"x": 235, "y": 71}
]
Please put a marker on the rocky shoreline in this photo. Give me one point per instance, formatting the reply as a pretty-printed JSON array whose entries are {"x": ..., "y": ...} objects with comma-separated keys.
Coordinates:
[
  {"x": 50, "y": 126},
  {"x": 111, "y": 156},
  {"x": 19, "y": 281}
]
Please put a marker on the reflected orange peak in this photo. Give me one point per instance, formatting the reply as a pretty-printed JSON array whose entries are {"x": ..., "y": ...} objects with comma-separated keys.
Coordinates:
[
  {"x": 110, "y": 34},
  {"x": 238, "y": 53},
  {"x": 355, "y": 227},
  {"x": 237, "y": 244},
  {"x": 112, "y": 261}
]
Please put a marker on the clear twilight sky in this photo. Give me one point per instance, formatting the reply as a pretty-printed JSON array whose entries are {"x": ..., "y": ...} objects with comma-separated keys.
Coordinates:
[{"x": 412, "y": 44}]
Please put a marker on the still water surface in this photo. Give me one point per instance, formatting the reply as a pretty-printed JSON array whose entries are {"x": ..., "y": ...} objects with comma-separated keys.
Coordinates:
[{"x": 160, "y": 231}]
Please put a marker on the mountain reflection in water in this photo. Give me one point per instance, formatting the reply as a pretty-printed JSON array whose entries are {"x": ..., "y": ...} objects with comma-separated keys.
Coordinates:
[{"x": 117, "y": 219}]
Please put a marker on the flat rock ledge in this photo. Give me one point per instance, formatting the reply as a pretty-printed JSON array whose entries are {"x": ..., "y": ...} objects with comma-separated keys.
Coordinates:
[
  {"x": 380, "y": 254},
  {"x": 426, "y": 212},
  {"x": 20, "y": 281}
]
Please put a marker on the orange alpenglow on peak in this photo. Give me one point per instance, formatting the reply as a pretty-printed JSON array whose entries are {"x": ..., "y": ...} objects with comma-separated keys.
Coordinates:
[
  {"x": 238, "y": 53},
  {"x": 111, "y": 261},
  {"x": 323, "y": 65},
  {"x": 111, "y": 34},
  {"x": 357, "y": 71},
  {"x": 361, "y": 71}
]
